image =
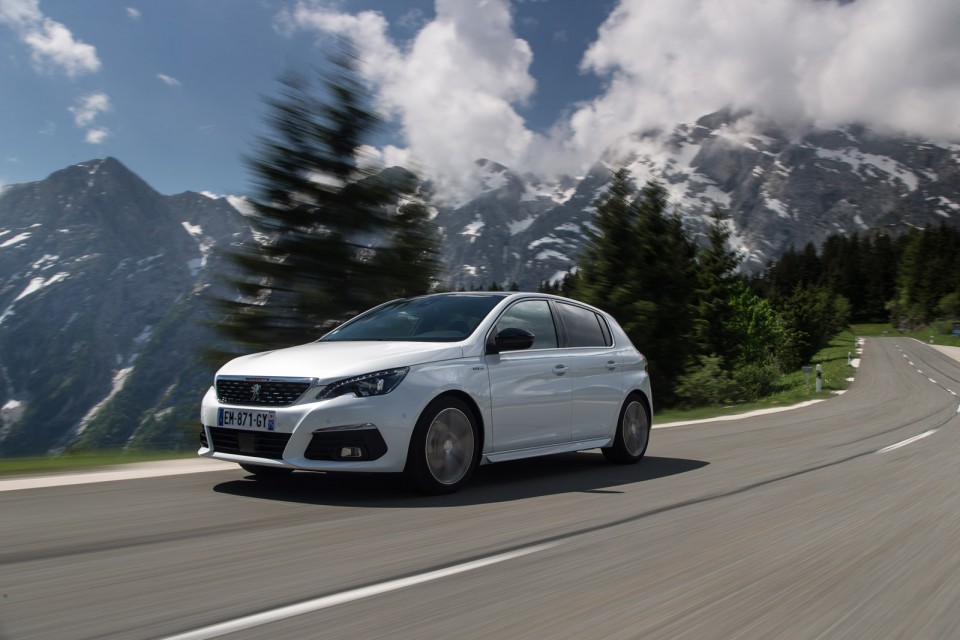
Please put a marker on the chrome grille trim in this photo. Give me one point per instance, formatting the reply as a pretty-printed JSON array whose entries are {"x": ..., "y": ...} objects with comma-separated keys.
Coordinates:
[{"x": 254, "y": 391}]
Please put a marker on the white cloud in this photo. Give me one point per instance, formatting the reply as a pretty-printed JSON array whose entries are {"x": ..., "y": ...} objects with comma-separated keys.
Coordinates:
[
  {"x": 133, "y": 13},
  {"x": 52, "y": 45},
  {"x": 452, "y": 89},
  {"x": 97, "y": 135},
  {"x": 168, "y": 80},
  {"x": 89, "y": 107},
  {"x": 889, "y": 64},
  {"x": 455, "y": 87}
]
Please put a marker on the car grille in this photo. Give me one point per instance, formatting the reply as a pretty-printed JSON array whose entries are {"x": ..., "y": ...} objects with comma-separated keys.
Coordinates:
[
  {"x": 326, "y": 445},
  {"x": 261, "y": 444},
  {"x": 254, "y": 392}
]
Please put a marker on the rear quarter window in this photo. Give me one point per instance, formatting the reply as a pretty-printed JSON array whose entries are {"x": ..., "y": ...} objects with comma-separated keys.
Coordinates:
[{"x": 584, "y": 327}]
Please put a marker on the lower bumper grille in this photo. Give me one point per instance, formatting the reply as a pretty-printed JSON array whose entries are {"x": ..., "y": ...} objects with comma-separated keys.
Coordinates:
[{"x": 249, "y": 443}]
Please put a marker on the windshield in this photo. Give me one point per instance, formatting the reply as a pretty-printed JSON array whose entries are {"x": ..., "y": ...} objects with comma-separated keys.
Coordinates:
[{"x": 443, "y": 318}]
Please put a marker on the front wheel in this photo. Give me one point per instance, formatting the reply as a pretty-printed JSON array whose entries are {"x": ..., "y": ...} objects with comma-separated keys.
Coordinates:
[
  {"x": 633, "y": 433},
  {"x": 444, "y": 449}
]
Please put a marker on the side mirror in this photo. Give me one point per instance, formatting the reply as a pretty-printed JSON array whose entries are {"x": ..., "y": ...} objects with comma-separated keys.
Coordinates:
[{"x": 511, "y": 339}]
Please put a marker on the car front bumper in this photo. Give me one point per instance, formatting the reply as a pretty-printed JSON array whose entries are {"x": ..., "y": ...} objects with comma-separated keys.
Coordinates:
[{"x": 325, "y": 435}]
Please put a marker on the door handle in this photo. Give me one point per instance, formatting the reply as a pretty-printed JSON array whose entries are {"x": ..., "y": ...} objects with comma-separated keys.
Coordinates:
[
  {"x": 561, "y": 369},
  {"x": 612, "y": 364}
]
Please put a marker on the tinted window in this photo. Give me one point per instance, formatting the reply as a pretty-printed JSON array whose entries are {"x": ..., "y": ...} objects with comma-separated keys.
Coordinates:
[
  {"x": 583, "y": 327},
  {"x": 533, "y": 316},
  {"x": 444, "y": 318}
]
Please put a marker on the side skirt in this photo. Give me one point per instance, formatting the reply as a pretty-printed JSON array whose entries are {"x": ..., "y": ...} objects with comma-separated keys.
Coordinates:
[{"x": 564, "y": 447}]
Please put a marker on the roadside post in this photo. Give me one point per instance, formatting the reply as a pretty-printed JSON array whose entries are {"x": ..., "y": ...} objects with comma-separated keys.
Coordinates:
[{"x": 819, "y": 378}]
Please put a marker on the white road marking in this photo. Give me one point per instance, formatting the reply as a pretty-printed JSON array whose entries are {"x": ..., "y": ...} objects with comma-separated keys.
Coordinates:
[
  {"x": 909, "y": 362},
  {"x": 736, "y": 416},
  {"x": 907, "y": 441},
  {"x": 308, "y": 606},
  {"x": 919, "y": 371},
  {"x": 933, "y": 381}
]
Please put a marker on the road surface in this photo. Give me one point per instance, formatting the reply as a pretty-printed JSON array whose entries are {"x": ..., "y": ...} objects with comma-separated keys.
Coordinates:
[{"x": 837, "y": 520}]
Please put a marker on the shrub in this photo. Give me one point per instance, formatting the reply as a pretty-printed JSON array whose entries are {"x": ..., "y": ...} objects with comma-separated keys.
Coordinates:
[{"x": 706, "y": 384}]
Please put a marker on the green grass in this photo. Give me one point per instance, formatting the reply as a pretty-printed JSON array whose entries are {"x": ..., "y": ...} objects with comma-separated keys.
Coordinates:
[
  {"x": 80, "y": 461},
  {"x": 791, "y": 388},
  {"x": 939, "y": 332}
]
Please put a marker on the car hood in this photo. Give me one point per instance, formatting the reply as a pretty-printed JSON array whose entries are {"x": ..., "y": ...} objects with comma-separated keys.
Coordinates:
[{"x": 334, "y": 360}]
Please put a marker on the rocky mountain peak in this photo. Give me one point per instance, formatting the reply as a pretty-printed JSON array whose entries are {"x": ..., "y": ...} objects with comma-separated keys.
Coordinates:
[{"x": 98, "y": 274}]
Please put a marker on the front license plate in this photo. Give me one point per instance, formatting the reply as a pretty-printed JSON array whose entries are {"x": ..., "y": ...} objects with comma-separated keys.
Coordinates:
[{"x": 240, "y": 419}]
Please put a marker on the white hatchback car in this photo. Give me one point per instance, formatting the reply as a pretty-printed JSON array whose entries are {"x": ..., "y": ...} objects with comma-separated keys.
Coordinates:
[{"x": 433, "y": 386}]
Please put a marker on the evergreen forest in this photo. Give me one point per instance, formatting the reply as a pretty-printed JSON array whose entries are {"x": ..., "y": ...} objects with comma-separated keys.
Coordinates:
[{"x": 715, "y": 335}]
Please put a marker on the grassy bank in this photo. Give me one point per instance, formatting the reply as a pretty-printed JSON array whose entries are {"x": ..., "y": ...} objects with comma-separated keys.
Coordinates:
[
  {"x": 938, "y": 332},
  {"x": 790, "y": 389}
]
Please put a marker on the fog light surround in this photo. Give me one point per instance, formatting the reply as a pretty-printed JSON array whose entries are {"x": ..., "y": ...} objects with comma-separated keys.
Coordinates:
[{"x": 346, "y": 443}]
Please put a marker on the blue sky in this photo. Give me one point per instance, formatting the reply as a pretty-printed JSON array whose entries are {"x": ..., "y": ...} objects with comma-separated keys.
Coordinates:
[
  {"x": 173, "y": 88},
  {"x": 184, "y": 81}
]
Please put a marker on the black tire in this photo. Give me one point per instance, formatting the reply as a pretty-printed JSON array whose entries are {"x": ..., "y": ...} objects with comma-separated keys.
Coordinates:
[
  {"x": 261, "y": 472},
  {"x": 633, "y": 433},
  {"x": 445, "y": 447}
]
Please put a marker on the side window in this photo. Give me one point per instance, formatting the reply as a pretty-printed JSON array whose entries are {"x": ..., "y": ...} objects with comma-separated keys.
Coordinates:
[
  {"x": 584, "y": 328},
  {"x": 535, "y": 317}
]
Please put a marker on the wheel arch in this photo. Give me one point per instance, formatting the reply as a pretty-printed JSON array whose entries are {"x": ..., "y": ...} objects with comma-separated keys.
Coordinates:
[
  {"x": 468, "y": 400},
  {"x": 645, "y": 402}
]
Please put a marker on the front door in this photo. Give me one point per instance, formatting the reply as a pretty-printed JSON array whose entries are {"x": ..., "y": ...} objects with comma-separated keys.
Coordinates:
[{"x": 530, "y": 389}]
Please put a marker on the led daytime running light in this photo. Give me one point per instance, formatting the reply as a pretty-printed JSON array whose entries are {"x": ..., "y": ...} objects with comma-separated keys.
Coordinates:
[{"x": 369, "y": 384}]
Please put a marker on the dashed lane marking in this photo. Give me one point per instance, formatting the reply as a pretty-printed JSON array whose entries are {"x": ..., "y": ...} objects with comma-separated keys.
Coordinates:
[{"x": 907, "y": 441}]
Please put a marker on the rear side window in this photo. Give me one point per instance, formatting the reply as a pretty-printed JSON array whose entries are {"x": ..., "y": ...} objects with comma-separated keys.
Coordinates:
[{"x": 584, "y": 327}]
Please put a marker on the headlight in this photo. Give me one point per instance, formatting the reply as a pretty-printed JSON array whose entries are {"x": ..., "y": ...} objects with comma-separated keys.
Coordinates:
[{"x": 369, "y": 384}]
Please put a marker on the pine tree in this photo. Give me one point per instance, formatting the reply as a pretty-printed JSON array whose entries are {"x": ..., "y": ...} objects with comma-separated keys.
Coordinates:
[
  {"x": 719, "y": 284},
  {"x": 639, "y": 265},
  {"x": 336, "y": 238}
]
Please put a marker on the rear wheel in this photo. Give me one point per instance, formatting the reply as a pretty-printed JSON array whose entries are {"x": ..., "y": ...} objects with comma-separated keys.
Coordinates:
[
  {"x": 444, "y": 449},
  {"x": 633, "y": 433},
  {"x": 261, "y": 472}
]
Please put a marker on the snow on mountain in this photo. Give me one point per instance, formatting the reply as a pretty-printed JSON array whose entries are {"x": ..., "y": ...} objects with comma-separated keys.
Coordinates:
[{"x": 779, "y": 188}]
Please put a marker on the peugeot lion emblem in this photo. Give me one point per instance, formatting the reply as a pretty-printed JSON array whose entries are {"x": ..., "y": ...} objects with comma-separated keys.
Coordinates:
[{"x": 255, "y": 392}]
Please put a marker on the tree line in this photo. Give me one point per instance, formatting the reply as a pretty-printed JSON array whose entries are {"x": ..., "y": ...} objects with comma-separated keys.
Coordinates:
[
  {"x": 709, "y": 336},
  {"x": 909, "y": 280}
]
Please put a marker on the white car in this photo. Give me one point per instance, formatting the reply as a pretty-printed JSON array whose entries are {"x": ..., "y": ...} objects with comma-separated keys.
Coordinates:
[{"x": 433, "y": 386}]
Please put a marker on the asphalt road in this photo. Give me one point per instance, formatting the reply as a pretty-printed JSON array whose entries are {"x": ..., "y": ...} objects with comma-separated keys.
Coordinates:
[{"x": 803, "y": 524}]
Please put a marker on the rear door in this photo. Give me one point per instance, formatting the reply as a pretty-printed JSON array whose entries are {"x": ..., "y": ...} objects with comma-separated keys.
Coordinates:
[{"x": 595, "y": 376}]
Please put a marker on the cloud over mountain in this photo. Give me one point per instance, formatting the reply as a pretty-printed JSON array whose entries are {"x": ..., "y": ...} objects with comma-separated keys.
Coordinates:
[{"x": 456, "y": 86}]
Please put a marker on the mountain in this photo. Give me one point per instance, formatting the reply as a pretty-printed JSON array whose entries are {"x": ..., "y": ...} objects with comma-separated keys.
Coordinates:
[
  {"x": 780, "y": 189},
  {"x": 100, "y": 301},
  {"x": 102, "y": 279}
]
